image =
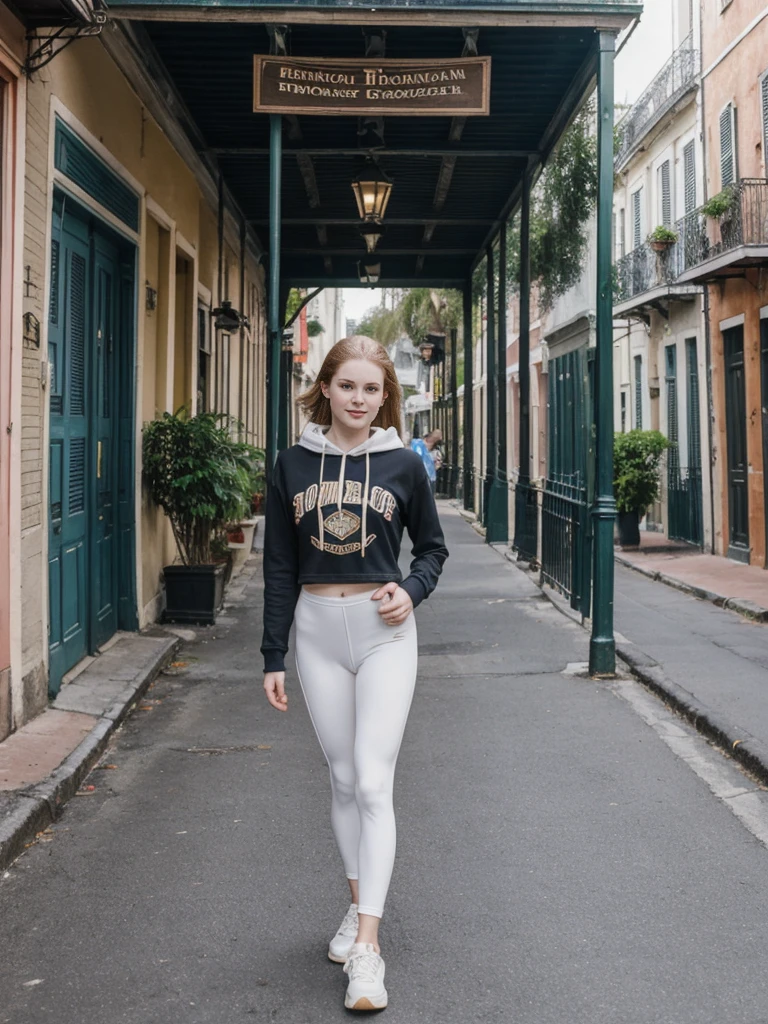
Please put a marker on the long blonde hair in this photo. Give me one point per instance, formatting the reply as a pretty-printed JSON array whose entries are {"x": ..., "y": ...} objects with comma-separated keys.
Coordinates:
[{"x": 318, "y": 407}]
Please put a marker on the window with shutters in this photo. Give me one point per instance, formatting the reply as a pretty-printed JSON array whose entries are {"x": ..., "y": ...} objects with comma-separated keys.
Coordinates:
[
  {"x": 694, "y": 424},
  {"x": 673, "y": 430},
  {"x": 728, "y": 172},
  {"x": 764, "y": 104},
  {"x": 623, "y": 412},
  {"x": 638, "y": 392},
  {"x": 665, "y": 194},
  {"x": 637, "y": 218},
  {"x": 689, "y": 175}
]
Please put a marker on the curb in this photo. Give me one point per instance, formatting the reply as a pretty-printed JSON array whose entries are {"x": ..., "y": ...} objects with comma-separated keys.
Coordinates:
[
  {"x": 41, "y": 804},
  {"x": 750, "y": 610},
  {"x": 749, "y": 751}
]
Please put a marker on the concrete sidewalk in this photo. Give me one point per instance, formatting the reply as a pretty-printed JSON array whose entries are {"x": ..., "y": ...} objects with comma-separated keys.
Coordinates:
[
  {"x": 43, "y": 764},
  {"x": 687, "y": 643},
  {"x": 728, "y": 584}
]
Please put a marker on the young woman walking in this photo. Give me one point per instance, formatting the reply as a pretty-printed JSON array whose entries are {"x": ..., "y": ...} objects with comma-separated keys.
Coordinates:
[{"x": 336, "y": 510}]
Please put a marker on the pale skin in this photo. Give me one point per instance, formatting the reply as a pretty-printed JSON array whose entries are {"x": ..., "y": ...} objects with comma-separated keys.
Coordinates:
[{"x": 356, "y": 393}]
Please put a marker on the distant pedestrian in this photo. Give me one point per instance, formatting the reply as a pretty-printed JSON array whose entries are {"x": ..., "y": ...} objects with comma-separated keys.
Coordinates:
[
  {"x": 336, "y": 509},
  {"x": 431, "y": 456}
]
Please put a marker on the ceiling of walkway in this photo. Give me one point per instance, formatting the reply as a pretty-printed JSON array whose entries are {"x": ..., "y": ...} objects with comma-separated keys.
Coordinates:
[{"x": 453, "y": 183}]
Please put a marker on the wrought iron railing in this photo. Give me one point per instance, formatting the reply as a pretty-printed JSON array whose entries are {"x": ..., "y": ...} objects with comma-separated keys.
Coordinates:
[
  {"x": 744, "y": 222},
  {"x": 699, "y": 238},
  {"x": 684, "y": 505},
  {"x": 566, "y": 543},
  {"x": 677, "y": 76},
  {"x": 526, "y": 536}
]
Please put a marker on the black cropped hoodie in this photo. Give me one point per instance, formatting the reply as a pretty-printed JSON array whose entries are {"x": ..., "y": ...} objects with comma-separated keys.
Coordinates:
[{"x": 338, "y": 517}]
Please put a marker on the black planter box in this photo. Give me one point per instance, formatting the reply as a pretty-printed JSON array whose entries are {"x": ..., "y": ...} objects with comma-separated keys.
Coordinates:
[
  {"x": 193, "y": 593},
  {"x": 629, "y": 530}
]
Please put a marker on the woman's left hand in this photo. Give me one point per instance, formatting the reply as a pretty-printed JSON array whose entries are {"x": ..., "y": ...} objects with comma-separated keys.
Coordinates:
[{"x": 396, "y": 604}]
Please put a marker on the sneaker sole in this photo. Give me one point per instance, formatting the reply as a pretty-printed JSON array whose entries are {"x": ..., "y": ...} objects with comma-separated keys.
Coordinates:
[
  {"x": 365, "y": 1004},
  {"x": 337, "y": 959}
]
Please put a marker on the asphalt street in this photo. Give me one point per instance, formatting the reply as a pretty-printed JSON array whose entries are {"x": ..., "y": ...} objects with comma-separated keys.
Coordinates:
[{"x": 559, "y": 861}]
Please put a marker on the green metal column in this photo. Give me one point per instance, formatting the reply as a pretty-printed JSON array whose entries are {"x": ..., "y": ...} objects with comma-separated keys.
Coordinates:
[
  {"x": 453, "y": 483},
  {"x": 524, "y": 364},
  {"x": 498, "y": 502},
  {"x": 275, "y": 331},
  {"x": 602, "y": 648},
  {"x": 469, "y": 409},
  {"x": 491, "y": 436}
]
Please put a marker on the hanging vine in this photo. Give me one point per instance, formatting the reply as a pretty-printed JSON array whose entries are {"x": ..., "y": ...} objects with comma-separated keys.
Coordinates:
[{"x": 562, "y": 204}]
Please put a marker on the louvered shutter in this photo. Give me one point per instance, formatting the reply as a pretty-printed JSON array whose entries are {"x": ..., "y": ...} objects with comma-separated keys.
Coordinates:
[
  {"x": 636, "y": 218},
  {"x": 728, "y": 146},
  {"x": 689, "y": 171},
  {"x": 638, "y": 392},
  {"x": 665, "y": 194},
  {"x": 764, "y": 89}
]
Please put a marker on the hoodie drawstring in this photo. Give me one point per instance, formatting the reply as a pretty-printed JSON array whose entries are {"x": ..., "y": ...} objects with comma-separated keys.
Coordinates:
[
  {"x": 365, "y": 504},
  {"x": 320, "y": 520}
]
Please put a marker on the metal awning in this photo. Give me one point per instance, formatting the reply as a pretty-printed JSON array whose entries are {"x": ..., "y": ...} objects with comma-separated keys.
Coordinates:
[{"x": 455, "y": 183}]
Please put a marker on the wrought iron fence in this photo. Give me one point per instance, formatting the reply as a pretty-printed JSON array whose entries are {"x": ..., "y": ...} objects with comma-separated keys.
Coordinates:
[
  {"x": 672, "y": 82},
  {"x": 526, "y": 538},
  {"x": 684, "y": 505},
  {"x": 566, "y": 543}
]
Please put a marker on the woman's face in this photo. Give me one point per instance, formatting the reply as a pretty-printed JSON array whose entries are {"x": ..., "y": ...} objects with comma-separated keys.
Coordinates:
[{"x": 356, "y": 393}]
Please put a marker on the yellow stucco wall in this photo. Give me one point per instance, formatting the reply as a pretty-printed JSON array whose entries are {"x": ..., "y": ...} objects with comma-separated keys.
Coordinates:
[{"x": 179, "y": 230}]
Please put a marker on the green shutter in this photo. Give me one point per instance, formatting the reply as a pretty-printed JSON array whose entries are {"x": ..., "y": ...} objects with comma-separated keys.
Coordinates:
[{"x": 81, "y": 165}]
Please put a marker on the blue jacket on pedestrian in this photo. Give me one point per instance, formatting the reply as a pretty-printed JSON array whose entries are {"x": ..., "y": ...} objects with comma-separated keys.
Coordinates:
[{"x": 419, "y": 446}]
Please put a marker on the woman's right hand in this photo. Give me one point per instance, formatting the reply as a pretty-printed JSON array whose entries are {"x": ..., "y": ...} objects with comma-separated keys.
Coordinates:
[{"x": 274, "y": 687}]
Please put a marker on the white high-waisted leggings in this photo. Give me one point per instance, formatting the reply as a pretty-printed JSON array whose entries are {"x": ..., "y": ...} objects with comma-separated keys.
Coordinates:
[{"x": 358, "y": 675}]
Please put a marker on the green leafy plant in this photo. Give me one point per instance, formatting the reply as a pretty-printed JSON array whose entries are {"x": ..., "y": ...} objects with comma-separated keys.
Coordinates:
[
  {"x": 724, "y": 202},
  {"x": 314, "y": 327},
  {"x": 663, "y": 234},
  {"x": 562, "y": 204},
  {"x": 200, "y": 477},
  {"x": 636, "y": 459}
]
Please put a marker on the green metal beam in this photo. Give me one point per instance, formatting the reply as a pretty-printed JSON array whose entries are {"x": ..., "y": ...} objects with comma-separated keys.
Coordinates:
[
  {"x": 602, "y": 647},
  {"x": 468, "y": 483},
  {"x": 275, "y": 327}
]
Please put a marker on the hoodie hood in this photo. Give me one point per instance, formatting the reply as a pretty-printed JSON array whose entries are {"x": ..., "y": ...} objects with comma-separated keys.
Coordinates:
[{"x": 314, "y": 438}]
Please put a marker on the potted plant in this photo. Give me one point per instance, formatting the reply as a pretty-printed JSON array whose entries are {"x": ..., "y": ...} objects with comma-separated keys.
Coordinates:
[
  {"x": 724, "y": 208},
  {"x": 636, "y": 459},
  {"x": 201, "y": 478},
  {"x": 662, "y": 238}
]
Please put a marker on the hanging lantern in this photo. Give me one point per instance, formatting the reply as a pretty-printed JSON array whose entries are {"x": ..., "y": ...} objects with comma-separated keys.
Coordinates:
[
  {"x": 372, "y": 190},
  {"x": 369, "y": 273},
  {"x": 372, "y": 234}
]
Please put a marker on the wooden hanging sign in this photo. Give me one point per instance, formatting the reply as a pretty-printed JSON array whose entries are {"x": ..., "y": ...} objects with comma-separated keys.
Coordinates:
[{"x": 407, "y": 88}]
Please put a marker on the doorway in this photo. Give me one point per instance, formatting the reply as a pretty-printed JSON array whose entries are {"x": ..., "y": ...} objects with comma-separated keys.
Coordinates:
[
  {"x": 764, "y": 415},
  {"x": 736, "y": 443},
  {"x": 91, "y": 486}
]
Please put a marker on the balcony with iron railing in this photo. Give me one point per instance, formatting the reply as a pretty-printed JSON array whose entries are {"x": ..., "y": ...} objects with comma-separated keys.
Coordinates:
[
  {"x": 712, "y": 246},
  {"x": 678, "y": 76},
  {"x": 707, "y": 246}
]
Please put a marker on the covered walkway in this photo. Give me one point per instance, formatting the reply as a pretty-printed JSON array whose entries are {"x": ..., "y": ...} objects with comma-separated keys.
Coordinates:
[
  {"x": 557, "y": 862},
  {"x": 450, "y": 165}
]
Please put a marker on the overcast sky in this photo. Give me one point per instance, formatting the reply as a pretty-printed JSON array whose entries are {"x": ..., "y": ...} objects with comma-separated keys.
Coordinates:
[{"x": 643, "y": 56}]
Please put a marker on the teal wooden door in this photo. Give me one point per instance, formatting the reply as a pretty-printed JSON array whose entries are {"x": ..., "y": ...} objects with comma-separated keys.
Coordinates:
[
  {"x": 104, "y": 564},
  {"x": 68, "y": 520},
  {"x": 91, "y": 522}
]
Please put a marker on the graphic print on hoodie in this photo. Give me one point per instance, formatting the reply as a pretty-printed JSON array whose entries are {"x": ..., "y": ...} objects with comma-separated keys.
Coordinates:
[{"x": 338, "y": 517}]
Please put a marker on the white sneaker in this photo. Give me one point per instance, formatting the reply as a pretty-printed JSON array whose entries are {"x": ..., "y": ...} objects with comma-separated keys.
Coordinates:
[
  {"x": 365, "y": 970},
  {"x": 344, "y": 939}
]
